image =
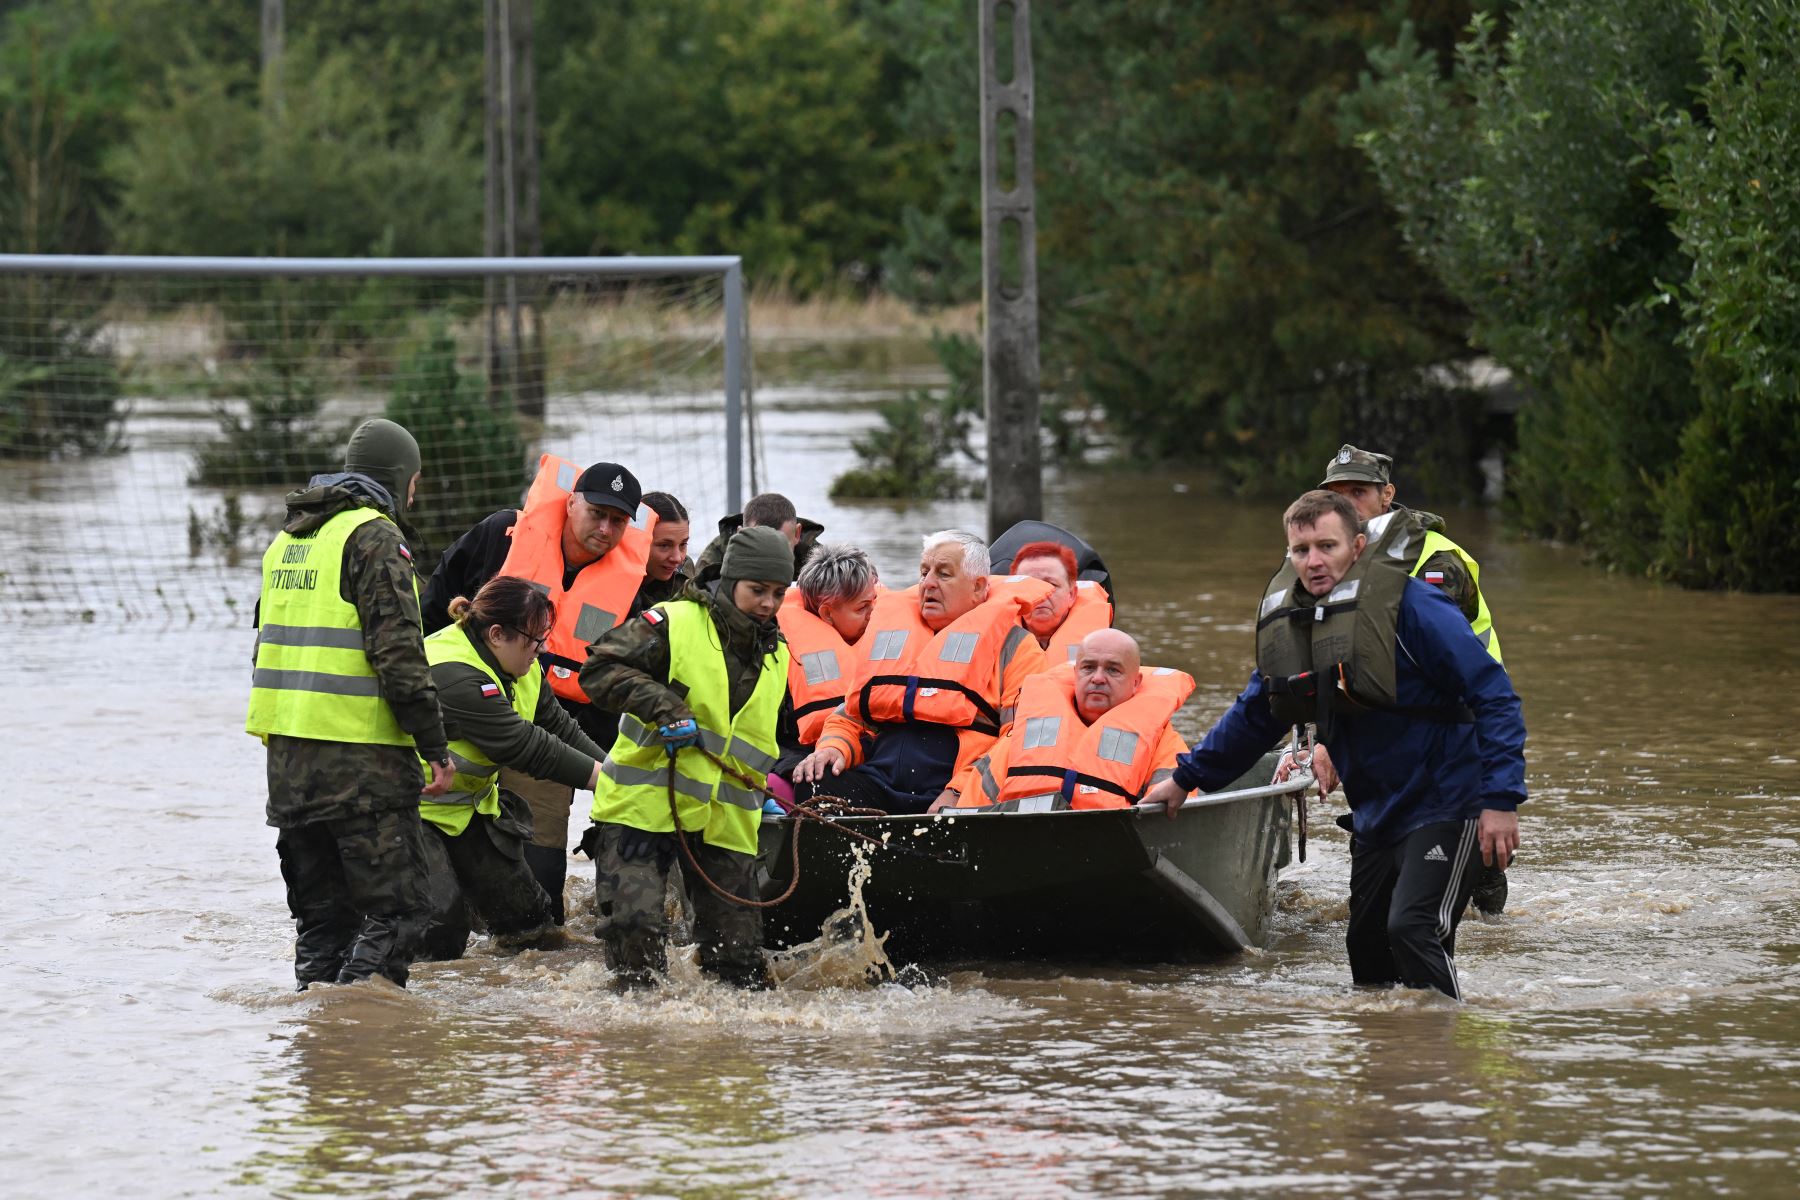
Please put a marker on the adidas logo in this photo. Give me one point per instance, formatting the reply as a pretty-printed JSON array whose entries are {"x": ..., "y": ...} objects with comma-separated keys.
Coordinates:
[{"x": 1436, "y": 854}]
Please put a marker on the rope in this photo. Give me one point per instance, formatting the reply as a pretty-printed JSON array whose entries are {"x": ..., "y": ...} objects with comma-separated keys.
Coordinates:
[{"x": 802, "y": 813}]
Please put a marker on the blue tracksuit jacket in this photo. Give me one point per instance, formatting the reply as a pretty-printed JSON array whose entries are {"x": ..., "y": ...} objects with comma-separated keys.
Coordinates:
[{"x": 1399, "y": 772}]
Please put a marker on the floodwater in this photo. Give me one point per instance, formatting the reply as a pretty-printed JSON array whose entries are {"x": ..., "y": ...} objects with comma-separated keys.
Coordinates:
[{"x": 1631, "y": 1025}]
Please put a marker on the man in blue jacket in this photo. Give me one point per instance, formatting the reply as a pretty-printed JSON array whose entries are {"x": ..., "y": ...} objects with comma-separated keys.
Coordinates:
[{"x": 1423, "y": 724}]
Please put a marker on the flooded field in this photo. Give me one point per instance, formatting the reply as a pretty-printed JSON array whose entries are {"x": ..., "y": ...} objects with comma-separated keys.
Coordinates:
[{"x": 1632, "y": 1028}]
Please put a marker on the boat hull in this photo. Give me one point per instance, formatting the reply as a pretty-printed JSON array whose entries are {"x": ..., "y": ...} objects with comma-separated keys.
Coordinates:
[{"x": 1110, "y": 883}]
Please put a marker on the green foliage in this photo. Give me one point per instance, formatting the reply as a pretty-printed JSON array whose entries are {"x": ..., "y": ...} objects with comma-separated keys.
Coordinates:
[
  {"x": 1217, "y": 271},
  {"x": 273, "y": 433},
  {"x": 923, "y": 434},
  {"x": 757, "y": 129},
  {"x": 60, "y": 102},
  {"x": 213, "y": 170},
  {"x": 471, "y": 447},
  {"x": 1597, "y": 187},
  {"x": 1733, "y": 513}
]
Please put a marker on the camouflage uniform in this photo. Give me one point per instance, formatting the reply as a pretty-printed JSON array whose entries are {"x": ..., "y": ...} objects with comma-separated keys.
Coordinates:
[
  {"x": 486, "y": 866},
  {"x": 350, "y": 841},
  {"x": 706, "y": 568},
  {"x": 628, "y": 669}
]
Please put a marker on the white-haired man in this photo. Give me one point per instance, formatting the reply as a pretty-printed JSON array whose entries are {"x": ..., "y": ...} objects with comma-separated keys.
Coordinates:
[{"x": 935, "y": 679}]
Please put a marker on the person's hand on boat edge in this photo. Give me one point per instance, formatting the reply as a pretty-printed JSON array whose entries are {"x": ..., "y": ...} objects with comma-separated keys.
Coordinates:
[
  {"x": 1323, "y": 773},
  {"x": 827, "y": 760},
  {"x": 946, "y": 799},
  {"x": 1169, "y": 794}
]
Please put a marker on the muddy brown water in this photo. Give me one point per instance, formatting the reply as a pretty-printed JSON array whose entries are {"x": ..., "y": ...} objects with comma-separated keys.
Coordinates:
[{"x": 1631, "y": 1027}]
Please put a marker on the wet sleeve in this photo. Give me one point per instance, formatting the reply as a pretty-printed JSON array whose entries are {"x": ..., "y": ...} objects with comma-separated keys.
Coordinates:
[
  {"x": 378, "y": 580},
  {"x": 1450, "y": 656},
  {"x": 1237, "y": 739},
  {"x": 1457, "y": 582},
  {"x": 626, "y": 672},
  {"x": 979, "y": 782},
  {"x": 845, "y": 734}
]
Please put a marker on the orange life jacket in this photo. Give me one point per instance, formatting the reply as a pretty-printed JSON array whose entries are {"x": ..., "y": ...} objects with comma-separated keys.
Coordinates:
[
  {"x": 601, "y": 595},
  {"x": 819, "y": 665},
  {"x": 906, "y": 673},
  {"x": 1055, "y": 760},
  {"x": 1091, "y": 611}
]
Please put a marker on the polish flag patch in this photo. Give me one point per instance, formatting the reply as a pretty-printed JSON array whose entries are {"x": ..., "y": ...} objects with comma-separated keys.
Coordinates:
[
  {"x": 406, "y": 552},
  {"x": 490, "y": 689},
  {"x": 1436, "y": 577},
  {"x": 653, "y": 616}
]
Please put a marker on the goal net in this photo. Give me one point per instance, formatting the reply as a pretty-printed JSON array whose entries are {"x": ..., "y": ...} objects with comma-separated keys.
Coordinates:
[{"x": 154, "y": 413}]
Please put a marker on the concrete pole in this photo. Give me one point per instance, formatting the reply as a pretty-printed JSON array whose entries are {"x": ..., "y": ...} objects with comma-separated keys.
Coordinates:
[{"x": 1009, "y": 291}]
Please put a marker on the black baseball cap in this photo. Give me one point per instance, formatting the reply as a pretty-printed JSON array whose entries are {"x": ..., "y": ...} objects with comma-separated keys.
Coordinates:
[{"x": 612, "y": 485}]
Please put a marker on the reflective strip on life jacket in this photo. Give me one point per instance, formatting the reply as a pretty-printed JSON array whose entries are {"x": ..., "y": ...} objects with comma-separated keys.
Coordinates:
[
  {"x": 820, "y": 662},
  {"x": 1108, "y": 764}
]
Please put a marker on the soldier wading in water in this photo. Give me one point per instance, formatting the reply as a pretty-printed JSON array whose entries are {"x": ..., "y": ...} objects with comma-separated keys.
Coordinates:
[
  {"x": 342, "y": 696},
  {"x": 702, "y": 681}
]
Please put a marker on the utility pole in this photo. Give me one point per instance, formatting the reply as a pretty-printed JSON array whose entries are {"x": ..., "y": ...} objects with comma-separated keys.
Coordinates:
[
  {"x": 1009, "y": 291},
  {"x": 273, "y": 37},
  {"x": 514, "y": 361}
]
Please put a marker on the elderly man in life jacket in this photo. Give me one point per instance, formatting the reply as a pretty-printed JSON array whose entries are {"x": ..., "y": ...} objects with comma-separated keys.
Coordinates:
[
  {"x": 1074, "y": 608},
  {"x": 934, "y": 682},
  {"x": 1423, "y": 723},
  {"x": 584, "y": 541},
  {"x": 823, "y": 617},
  {"x": 1091, "y": 734}
]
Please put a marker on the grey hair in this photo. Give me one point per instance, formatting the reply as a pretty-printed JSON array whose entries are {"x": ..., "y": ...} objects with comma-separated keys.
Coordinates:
[
  {"x": 975, "y": 552},
  {"x": 836, "y": 572}
]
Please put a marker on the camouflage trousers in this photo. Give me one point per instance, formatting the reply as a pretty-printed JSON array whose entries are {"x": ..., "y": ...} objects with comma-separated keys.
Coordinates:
[
  {"x": 547, "y": 852},
  {"x": 631, "y": 872},
  {"x": 356, "y": 889},
  {"x": 480, "y": 876}
]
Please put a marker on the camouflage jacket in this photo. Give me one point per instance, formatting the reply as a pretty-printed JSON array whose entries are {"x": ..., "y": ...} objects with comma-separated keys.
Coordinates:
[
  {"x": 628, "y": 669},
  {"x": 549, "y": 746},
  {"x": 315, "y": 781},
  {"x": 706, "y": 568},
  {"x": 1457, "y": 583}
]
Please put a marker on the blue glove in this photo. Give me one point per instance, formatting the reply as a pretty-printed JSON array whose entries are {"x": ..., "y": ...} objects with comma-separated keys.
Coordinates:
[{"x": 679, "y": 735}]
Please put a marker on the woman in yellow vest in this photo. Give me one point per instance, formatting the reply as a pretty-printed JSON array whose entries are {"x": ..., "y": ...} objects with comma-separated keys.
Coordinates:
[
  {"x": 497, "y": 713},
  {"x": 702, "y": 681}
]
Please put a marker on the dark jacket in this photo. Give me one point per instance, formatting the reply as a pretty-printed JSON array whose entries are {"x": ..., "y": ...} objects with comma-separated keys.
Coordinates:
[
  {"x": 549, "y": 746},
  {"x": 315, "y": 781},
  {"x": 1399, "y": 772},
  {"x": 707, "y": 565},
  {"x": 471, "y": 561},
  {"x": 628, "y": 669}
]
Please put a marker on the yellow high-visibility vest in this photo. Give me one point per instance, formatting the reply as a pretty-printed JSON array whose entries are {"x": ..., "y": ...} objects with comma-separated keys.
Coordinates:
[
  {"x": 312, "y": 679},
  {"x": 633, "y": 787},
  {"x": 475, "y": 787}
]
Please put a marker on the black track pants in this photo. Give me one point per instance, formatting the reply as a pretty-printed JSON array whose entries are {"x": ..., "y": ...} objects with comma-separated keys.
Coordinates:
[{"x": 1405, "y": 903}]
